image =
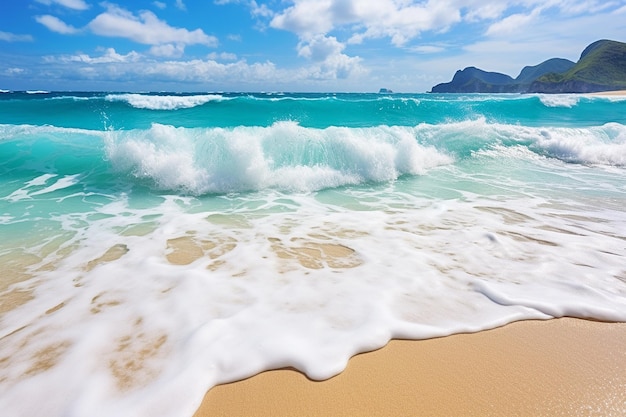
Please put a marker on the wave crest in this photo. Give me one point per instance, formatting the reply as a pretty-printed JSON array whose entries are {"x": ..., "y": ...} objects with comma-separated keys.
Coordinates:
[
  {"x": 166, "y": 102},
  {"x": 285, "y": 156}
]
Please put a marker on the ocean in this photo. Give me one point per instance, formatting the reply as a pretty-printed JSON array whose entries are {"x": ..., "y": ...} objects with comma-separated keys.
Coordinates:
[{"x": 154, "y": 245}]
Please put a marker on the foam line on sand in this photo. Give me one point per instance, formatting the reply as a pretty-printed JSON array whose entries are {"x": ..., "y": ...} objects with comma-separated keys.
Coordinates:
[{"x": 542, "y": 368}]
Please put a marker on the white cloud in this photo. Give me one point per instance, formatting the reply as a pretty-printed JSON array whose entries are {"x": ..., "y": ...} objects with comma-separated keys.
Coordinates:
[
  {"x": 306, "y": 18},
  {"x": 427, "y": 49},
  {"x": 399, "y": 20},
  {"x": 12, "y": 37},
  {"x": 168, "y": 50},
  {"x": 223, "y": 56},
  {"x": 56, "y": 25},
  {"x": 180, "y": 5},
  {"x": 486, "y": 11},
  {"x": 109, "y": 56},
  {"x": 70, "y": 4},
  {"x": 255, "y": 9},
  {"x": 320, "y": 48},
  {"x": 512, "y": 24},
  {"x": 260, "y": 10},
  {"x": 159, "y": 5},
  {"x": 112, "y": 67},
  {"x": 14, "y": 71},
  {"x": 330, "y": 62},
  {"x": 145, "y": 28}
]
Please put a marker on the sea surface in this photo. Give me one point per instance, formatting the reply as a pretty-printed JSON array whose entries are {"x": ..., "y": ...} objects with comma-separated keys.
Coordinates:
[{"x": 154, "y": 245}]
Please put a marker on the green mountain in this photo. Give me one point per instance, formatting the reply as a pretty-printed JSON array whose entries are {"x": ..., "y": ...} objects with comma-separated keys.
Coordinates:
[
  {"x": 601, "y": 67},
  {"x": 474, "y": 80},
  {"x": 531, "y": 73}
]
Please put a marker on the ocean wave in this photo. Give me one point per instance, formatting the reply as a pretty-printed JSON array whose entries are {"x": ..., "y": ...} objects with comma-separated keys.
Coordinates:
[
  {"x": 285, "y": 156},
  {"x": 19, "y": 132},
  {"x": 290, "y": 157},
  {"x": 559, "y": 100},
  {"x": 165, "y": 102},
  {"x": 595, "y": 145},
  {"x": 602, "y": 145},
  {"x": 37, "y": 92}
]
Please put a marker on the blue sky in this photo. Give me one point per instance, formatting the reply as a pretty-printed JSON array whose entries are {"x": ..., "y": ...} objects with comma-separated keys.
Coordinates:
[{"x": 287, "y": 45}]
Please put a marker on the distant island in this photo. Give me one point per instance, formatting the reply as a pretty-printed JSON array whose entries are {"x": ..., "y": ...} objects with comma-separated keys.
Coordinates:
[
  {"x": 601, "y": 67},
  {"x": 384, "y": 91}
]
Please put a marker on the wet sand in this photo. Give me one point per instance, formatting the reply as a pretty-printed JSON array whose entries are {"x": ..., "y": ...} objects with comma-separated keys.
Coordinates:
[{"x": 565, "y": 367}]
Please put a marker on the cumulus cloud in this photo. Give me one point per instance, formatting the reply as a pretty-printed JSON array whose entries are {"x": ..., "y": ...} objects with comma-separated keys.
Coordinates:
[
  {"x": 145, "y": 28},
  {"x": 109, "y": 56},
  {"x": 70, "y": 4},
  {"x": 320, "y": 48},
  {"x": 306, "y": 18},
  {"x": 399, "y": 20},
  {"x": 56, "y": 25},
  {"x": 111, "y": 66},
  {"x": 329, "y": 61},
  {"x": 168, "y": 50},
  {"x": 12, "y": 37}
]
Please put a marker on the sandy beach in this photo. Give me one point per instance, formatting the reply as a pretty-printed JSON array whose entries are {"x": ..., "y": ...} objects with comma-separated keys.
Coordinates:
[
  {"x": 566, "y": 367},
  {"x": 610, "y": 93}
]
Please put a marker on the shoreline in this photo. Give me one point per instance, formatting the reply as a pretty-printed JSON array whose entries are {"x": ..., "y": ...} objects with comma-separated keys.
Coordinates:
[
  {"x": 561, "y": 366},
  {"x": 611, "y": 93}
]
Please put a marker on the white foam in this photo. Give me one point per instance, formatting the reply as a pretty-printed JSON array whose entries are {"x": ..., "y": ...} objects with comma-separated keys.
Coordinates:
[
  {"x": 559, "y": 100},
  {"x": 257, "y": 285},
  {"x": 37, "y": 92},
  {"x": 26, "y": 191},
  {"x": 604, "y": 145},
  {"x": 159, "y": 102},
  {"x": 421, "y": 268},
  {"x": 601, "y": 145},
  {"x": 284, "y": 156}
]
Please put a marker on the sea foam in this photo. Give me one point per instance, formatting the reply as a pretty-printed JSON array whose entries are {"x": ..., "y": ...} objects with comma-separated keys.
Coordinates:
[
  {"x": 285, "y": 156},
  {"x": 164, "y": 102}
]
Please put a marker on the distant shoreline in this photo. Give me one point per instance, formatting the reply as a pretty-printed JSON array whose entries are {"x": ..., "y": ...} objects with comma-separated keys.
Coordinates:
[{"x": 609, "y": 93}]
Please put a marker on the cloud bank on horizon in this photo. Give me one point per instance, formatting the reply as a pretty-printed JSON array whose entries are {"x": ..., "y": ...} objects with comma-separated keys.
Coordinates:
[{"x": 287, "y": 45}]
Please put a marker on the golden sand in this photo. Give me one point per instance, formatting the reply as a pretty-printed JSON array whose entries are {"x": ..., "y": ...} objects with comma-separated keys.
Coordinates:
[
  {"x": 565, "y": 367},
  {"x": 610, "y": 93}
]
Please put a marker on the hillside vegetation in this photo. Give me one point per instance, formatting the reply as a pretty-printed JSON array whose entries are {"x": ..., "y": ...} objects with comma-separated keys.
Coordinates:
[{"x": 601, "y": 67}]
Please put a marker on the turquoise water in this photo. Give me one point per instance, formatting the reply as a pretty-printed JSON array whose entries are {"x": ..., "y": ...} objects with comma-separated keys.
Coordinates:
[{"x": 206, "y": 237}]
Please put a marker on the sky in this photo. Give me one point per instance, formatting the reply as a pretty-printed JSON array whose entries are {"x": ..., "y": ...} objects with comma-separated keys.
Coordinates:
[{"x": 287, "y": 45}]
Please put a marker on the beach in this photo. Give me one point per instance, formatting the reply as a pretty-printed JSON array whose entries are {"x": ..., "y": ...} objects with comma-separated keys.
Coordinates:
[
  {"x": 565, "y": 367},
  {"x": 610, "y": 93}
]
